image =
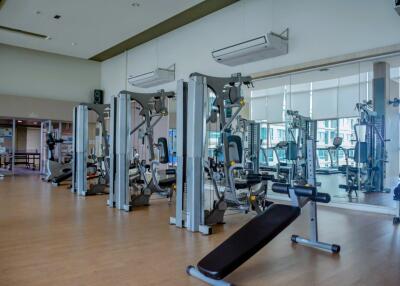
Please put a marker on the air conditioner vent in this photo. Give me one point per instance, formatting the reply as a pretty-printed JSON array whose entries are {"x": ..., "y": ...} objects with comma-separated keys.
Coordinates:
[
  {"x": 153, "y": 78},
  {"x": 271, "y": 45}
]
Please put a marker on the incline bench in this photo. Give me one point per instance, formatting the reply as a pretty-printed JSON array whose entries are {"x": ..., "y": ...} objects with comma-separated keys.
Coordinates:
[{"x": 258, "y": 232}]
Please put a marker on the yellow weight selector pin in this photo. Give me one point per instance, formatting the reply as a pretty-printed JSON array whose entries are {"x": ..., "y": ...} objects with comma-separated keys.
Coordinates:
[
  {"x": 232, "y": 163},
  {"x": 252, "y": 198},
  {"x": 242, "y": 102}
]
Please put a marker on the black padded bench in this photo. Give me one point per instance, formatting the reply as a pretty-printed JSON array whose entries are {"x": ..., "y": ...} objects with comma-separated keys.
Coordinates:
[{"x": 247, "y": 241}]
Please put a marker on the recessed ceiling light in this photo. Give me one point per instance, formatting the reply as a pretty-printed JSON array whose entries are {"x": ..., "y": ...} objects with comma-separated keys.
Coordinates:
[
  {"x": 135, "y": 4},
  {"x": 35, "y": 123},
  {"x": 57, "y": 17},
  {"x": 19, "y": 121}
]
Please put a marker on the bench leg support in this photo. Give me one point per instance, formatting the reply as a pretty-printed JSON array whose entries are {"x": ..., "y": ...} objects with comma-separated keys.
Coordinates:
[
  {"x": 333, "y": 248},
  {"x": 192, "y": 271}
]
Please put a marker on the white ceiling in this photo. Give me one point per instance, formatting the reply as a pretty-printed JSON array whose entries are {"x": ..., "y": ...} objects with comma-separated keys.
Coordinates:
[{"x": 93, "y": 25}]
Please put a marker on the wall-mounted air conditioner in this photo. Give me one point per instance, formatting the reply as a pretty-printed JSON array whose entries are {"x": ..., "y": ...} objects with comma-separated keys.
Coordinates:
[
  {"x": 156, "y": 77},
  {"x": 397, "y": 6},
  {"x": 260, "y": 48}
]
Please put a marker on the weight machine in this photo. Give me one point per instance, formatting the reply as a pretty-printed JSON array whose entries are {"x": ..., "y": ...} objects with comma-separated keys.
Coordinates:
[
  {"x": 55, "y": 170},
  {"x": 82, "y": 170},
  {"x": 153, "y": 108},
  {"x": 195, "y": 111}
]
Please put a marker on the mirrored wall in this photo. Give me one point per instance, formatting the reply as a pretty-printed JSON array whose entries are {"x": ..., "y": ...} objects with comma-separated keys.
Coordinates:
[{"x": 357, "y": 118}]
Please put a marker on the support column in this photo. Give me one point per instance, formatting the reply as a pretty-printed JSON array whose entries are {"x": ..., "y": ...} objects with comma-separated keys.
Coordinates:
[{"x": 385, "y": 89}]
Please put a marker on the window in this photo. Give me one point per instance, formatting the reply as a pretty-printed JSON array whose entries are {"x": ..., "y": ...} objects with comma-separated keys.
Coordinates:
[
  {"x": 277, "y": 133},
  {"x": 263, "y": 133},
  {"x": 347, "y": 131},
  {"x": 281, "y": 135}
]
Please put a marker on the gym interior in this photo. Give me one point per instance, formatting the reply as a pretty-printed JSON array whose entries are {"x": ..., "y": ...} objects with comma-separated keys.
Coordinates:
[{"x": 200, "y": 142}]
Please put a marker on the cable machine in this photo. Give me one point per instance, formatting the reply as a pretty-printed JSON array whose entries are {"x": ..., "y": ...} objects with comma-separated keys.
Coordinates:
[
  {"x": 153, "y": 109},
  {"x": 194, "y": 210}
]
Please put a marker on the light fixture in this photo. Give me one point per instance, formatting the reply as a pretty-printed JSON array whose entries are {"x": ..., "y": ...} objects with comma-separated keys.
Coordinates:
[
  {"x": 24, "y": 32},
  {"x": 156, "y": 77},
  {"x": 35, "y": 123},
  {"x": 19, "y": 121}
]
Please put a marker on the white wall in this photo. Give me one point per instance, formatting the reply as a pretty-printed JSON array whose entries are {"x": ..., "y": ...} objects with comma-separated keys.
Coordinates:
[
  {"x": 33, "y": 139},
  {"x": 319, "y": 29},
  {"x": 43, "y": 75}
]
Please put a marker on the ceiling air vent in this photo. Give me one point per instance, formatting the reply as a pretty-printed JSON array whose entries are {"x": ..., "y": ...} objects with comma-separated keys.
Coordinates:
[
  {"x": 153, "y": 78},
  {"x": 23, "y": 32},
  {"x": 264, "y": 47}
]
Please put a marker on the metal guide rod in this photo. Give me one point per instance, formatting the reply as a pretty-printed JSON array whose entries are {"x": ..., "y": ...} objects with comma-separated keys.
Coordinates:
[
  {"x": 152, "y": 105},
  {"x": 80, "y": 153}
]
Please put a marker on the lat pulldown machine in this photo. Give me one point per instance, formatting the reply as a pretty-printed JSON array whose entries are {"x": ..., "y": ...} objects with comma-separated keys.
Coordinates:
[
  {"x": 259, "y": 231},
  {"x": 153, "y": 109}
]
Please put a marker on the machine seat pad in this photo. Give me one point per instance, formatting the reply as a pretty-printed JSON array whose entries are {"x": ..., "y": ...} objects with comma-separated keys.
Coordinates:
[
  {"x": 170, "y": 171},
  {"x": 247, "y": 241},
  {"x": 167, "y": 182},
  {"x": 267, "y": 177},
  {"x": 268, "y": 168}
]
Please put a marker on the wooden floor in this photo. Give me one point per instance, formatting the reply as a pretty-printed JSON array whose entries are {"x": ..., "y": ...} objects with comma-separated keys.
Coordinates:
[{"x": 49, "y": 236}]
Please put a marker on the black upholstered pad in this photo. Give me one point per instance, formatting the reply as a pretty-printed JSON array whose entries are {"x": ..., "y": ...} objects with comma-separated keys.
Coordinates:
[
  {"x": 62, "y": 177},
  {"x": 249, "y": 181},
  {"x": 247, "y": 241},
  {"x": 167, "y": 182}
]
